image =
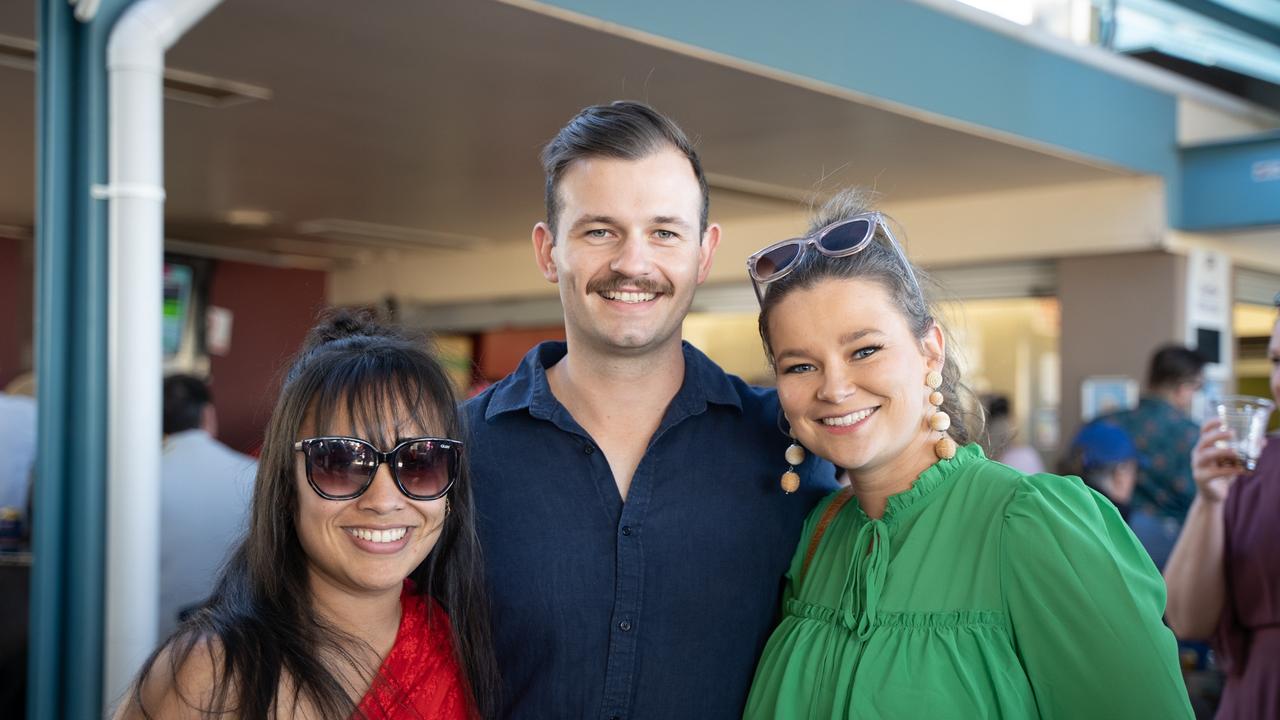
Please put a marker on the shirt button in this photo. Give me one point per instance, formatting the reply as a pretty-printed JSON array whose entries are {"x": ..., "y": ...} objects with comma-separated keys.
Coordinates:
[
  {"x": 624, "y": 626},
  {"x": 588, "y": 448},
  {"x": 626, "y": 530}
]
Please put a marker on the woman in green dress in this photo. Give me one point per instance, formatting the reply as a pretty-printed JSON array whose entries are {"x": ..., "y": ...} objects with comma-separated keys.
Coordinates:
[{"x": 938, "y": 584}]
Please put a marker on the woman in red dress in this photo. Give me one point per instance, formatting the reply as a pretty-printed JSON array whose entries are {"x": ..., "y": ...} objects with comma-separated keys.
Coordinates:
[
  {"x": 1224, "y": 573},
  {"x": 357, "y": 590}
]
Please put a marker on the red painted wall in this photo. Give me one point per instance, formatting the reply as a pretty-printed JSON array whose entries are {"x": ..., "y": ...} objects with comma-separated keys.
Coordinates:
[
  {"x": 498, "y": 352},
  {"x": 273, "y": 309},
  {"x": 15, "y": 307}
]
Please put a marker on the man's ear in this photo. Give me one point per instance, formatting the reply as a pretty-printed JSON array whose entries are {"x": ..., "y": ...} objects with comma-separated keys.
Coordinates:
[
  {"x": 544, "y": 241},
  {"x": 707, "y": 251}
]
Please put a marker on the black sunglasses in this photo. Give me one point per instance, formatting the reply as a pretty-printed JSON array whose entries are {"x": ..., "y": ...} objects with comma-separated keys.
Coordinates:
[
  {"x": 839, "y": 239},
  {"x": 342, "y": 468}
]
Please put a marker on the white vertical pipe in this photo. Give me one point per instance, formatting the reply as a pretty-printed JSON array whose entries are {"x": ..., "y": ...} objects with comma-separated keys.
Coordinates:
[{"x": 135, "y": 67}]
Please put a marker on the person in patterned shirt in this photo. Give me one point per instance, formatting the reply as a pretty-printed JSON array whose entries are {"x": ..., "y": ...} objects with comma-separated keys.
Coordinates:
[{"x": 1164, "y": 433}]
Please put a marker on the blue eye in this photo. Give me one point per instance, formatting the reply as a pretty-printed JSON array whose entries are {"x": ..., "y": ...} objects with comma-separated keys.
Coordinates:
[
  {"x": 666, "y": 235},
  {"x": 866, "y": 352},
  {"x": 797, "y": 369}
]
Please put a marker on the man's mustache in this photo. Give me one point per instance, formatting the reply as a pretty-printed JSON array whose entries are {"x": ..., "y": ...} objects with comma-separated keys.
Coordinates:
[{"x": 618, "y": 283}]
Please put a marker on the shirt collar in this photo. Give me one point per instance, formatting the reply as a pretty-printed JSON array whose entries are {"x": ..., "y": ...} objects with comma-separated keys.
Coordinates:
[
  {"x": 1159, "y": 404},
  {"x": 527, "y": 389}
]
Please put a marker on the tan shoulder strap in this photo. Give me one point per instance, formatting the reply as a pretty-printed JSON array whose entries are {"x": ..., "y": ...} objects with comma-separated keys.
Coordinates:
[{"x": 832, "y": 510}]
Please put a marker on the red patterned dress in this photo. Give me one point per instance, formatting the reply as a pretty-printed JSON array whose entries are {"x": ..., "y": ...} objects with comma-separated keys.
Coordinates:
[{"x": 420, "y": 677}]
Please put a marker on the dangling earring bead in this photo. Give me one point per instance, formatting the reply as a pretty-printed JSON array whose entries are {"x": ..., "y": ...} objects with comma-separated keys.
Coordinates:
[
  {"x": 794, "y": 456},
  {"x": 939, "y": 421}
]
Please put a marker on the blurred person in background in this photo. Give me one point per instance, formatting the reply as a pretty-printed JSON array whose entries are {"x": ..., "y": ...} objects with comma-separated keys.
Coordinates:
[
  {"x": 204, "y": 498},
  {"x": 939, "y": 584},
  {"x": 1164, "y": 433},
  {"x": 1224, "y": 573},
  {"x": 18, "y": 453},
  {"x": 1004, "y": 445},
  {"x": 1104, "y": 456},
  {"x": 358, "y": 590}
]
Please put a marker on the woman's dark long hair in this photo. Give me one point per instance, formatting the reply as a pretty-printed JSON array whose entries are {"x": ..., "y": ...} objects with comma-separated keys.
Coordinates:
[{"x": 260, "y": 626}]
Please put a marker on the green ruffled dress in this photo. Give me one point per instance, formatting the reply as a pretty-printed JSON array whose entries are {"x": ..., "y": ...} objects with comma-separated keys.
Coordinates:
[{"x": 981, "y": 593}]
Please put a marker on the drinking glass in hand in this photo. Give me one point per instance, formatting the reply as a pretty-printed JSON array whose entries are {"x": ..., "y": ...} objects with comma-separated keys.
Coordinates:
[{"x": 1246, "y": 418}]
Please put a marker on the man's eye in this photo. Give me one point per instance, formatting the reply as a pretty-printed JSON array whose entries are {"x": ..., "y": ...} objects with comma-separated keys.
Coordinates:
[
  {"x": 598, "y": 233},
  {"x": 666, "y": 235}
]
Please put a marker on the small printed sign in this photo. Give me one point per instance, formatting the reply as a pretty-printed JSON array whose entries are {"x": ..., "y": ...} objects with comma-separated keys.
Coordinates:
[{"x": 217, "y": 337}]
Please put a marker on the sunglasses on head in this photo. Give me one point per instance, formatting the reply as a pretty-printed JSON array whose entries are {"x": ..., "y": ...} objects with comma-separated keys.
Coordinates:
[
  {"x": 839, "y": 239},
  {"x": 342, "y": 468}
]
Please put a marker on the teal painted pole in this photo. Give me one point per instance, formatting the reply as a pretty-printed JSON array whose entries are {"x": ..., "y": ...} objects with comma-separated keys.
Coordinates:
[
  {"x": 54, "y": 178},
  {"x": 69, "y": 506}
]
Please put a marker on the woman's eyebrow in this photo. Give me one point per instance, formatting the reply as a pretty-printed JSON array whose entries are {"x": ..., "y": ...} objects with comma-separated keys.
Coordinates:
[{"x": 857, "y": 335}]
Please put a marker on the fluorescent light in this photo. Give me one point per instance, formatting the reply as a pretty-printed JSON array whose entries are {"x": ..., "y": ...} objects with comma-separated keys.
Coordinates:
[{"x": 357, "y": 232}]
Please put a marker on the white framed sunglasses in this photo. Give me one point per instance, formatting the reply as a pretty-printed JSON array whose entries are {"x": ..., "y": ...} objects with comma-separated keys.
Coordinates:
[{"x": 839, "y": 239}]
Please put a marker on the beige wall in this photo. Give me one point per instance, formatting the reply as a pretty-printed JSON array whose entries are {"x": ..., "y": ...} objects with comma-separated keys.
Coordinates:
[
  {"x": 1124, "y": 214},
  {"x": 733, "y": 341},
  {"x": 1010, "y": 347},
  {"x": 1200, "y": 122},
  {"x": 1254, "y": 248},
  {"x": 1116, "y": 309}
]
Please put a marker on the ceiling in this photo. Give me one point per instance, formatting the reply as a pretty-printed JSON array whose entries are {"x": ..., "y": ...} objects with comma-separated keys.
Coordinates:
[{"x": 428, "y": 116}]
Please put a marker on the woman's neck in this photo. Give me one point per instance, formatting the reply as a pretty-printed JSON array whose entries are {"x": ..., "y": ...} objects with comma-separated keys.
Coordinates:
[
  {"x": 875, "y": 485},
  {"x": 371, "y": 617}
]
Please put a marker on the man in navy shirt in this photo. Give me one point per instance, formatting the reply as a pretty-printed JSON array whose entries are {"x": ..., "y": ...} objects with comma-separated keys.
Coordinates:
[{"x": 627, "y": 489}]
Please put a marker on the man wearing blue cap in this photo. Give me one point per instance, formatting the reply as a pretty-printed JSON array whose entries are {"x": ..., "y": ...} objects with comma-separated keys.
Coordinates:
[{"x": 1104, "y": 456}]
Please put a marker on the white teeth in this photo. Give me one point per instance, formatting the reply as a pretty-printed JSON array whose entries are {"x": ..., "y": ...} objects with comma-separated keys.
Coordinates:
[
  {"x": 849, "y": 419},
  {"x": 629, "y": 297},
  {"x": 379, "y": 536}
]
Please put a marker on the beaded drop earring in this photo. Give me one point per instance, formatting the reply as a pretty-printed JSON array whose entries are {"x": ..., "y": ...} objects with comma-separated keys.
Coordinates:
[
  {"x": 794, "y": 455},
  {"x": 939, "y": 421}
]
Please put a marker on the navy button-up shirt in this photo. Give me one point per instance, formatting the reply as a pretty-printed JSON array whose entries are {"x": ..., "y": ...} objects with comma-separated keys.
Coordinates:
[{"x": 653, "y": 608}]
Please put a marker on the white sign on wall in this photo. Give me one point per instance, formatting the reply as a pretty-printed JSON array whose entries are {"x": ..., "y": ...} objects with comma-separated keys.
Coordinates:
[{"x": 1208, "y": 315}]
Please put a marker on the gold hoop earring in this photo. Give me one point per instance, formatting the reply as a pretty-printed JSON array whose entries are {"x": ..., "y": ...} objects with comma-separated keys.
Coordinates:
[{"x": 939, "y": 421}]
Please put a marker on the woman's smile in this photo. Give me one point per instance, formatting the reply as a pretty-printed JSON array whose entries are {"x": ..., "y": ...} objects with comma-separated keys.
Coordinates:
[
  {"x": 848, "y": 422},
  {"x": 383, "y": 540}
]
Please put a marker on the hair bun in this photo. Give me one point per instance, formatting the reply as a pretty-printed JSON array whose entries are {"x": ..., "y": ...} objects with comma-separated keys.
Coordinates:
[{"x": 343, "y": 323}]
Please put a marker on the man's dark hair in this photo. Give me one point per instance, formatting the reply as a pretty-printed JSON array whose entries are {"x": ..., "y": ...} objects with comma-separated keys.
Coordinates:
[
  {"x": 624, "y": 130},
  {"x": 1172, "y": 365},
  {"x": 184, "y": 399}
]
